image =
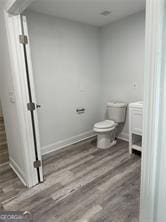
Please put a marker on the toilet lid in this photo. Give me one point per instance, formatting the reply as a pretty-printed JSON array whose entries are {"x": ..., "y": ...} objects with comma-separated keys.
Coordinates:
[{"x": 105, "y": 124}]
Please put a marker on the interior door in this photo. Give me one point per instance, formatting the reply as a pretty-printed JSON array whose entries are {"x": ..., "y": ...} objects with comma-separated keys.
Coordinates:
[
  {"x": 32, "y": 106},
  {"x": 25, "y": 158}
]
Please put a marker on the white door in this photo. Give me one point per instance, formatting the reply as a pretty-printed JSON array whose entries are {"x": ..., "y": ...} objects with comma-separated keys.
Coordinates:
[
  {"x": 33, "y": 106},
  {"x": 21, "y": 70}
]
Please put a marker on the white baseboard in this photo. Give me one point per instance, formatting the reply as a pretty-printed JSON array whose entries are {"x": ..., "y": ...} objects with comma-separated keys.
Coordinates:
[
  {"x": 18, "y": 171},
  {"x": 124, "y": 136},
  {"x": 61, "y": 144}
]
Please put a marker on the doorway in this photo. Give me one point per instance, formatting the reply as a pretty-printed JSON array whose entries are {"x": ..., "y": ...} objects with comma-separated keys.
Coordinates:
[
  {"x": 149, "y": 138},
  {"x": 50, "y": 73}
]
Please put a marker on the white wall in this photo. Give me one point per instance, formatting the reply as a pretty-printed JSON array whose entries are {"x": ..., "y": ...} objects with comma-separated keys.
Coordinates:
[
  {"x": 79, "y": 65},
  {"x": 122, "y": 45},
  {"x": 66, "y": 63},
  {"x": 1, "y": 7}
]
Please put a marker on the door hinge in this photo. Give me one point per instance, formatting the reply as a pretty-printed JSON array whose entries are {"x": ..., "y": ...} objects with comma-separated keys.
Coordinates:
[
  {"x": 37, "y": 164},
  {"x": 23, "y": 39},
  {"x": 31, "y": 106}
]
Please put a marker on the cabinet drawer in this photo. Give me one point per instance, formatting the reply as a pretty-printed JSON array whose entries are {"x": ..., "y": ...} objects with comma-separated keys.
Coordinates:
[{"x": 136, "y": 121}]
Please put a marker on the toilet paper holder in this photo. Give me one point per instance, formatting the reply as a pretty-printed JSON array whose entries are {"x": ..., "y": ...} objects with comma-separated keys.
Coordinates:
[{"x": 80, "y": 110}]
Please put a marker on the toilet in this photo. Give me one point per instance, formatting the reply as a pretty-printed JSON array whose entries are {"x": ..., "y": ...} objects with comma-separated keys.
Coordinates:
[{"x": 109, "y": 129}]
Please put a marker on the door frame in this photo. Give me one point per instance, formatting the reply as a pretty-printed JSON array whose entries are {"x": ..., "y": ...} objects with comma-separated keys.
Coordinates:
[
  {"x": 18, "y": 72},
  {"x": 153, "y": 106}
]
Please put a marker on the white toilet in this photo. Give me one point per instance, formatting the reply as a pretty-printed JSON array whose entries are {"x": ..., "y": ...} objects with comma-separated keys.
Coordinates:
[{"x": 108, "y": 130}]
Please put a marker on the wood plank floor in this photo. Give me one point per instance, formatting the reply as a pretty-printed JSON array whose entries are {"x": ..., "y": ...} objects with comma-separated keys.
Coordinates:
[{"x": 83, "y": 184}]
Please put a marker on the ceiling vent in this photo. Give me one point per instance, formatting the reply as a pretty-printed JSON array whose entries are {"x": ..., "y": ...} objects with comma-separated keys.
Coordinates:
[{"x": 105, "y": 13}]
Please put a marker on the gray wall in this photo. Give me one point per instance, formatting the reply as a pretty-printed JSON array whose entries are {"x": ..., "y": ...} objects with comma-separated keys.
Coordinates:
[
  {"x": 79, "y": 65},
  {"x": 66, "y": 62},
  {"x": 122, "y": 45}
]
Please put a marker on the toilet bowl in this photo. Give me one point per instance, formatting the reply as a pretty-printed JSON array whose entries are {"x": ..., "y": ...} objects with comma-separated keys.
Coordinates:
[
  {"x": 108, "y": 130},
  {"x": 104, "y": 130}
]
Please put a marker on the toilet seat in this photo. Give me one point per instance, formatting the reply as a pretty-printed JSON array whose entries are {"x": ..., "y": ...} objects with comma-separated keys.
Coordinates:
[{"x": 104, "y": 126}]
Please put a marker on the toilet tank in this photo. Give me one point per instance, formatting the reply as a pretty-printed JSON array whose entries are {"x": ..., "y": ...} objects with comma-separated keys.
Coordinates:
[{"x": 116, "y": 111}]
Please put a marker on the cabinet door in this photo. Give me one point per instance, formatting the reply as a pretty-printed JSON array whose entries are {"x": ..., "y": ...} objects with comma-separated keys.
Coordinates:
[{"x": 136, "y": 121}]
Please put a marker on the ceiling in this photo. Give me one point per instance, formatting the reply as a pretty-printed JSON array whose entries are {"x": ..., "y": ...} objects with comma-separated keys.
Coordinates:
[{"x": 89, "y": 11}]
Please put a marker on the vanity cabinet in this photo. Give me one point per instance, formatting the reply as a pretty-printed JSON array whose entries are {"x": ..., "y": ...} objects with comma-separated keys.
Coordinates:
[{"x": 135, "y": 126}]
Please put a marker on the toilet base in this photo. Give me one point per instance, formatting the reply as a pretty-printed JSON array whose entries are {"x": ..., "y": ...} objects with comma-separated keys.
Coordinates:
[{"x": 103, "y": 141}]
